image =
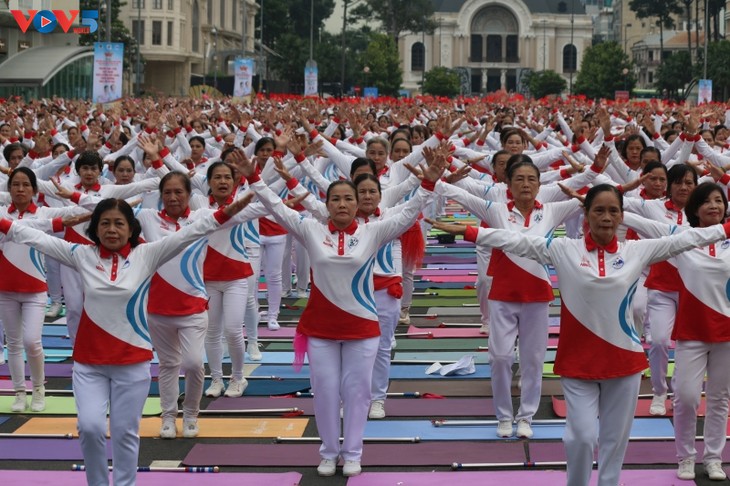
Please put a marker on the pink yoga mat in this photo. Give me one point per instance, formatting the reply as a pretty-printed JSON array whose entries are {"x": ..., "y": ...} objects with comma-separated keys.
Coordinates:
[
  {"x": 21, "y": 449},
  {"x": 637, "y": 453},
  {"x": 629, "y": 477},
  {"x": 307, "y": 455},
  {"x": 70, "y": 478},
  {"x": 442, "y": 273},
  {"x": 284, "y": 332}
]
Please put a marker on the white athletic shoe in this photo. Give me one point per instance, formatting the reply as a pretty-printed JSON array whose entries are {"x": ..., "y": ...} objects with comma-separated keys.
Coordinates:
[
  {"x": 168, "y": 429},
  {"x": 190, "y": 428},
  {"x": 524, "y": 429},
  {"x": 54, "y": 310},
  {"x": 38, "y": 399},
  {"x": 253, "y": 351},
  {"x": 484, "y": 329},
  {"x": 405, "y": 317},
  {"x": 504, "y": 428},
  {"x": 658, "y": 405},
  {"x": 686, "y": 469},
  {"x": 236, "y": 387},
  {"x": 273, "y": 325},
  {"x": 351, "y": 468},
  {"x": 377, "y": 409},
  {"x": 327, "y": 467},
  {"x": 714, "y": 471},
  {"x": 215, "y": 389},
  {"x": 20, "y": 403}
]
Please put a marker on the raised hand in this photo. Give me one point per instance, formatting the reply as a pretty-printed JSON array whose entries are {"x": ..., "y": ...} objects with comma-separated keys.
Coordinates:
[{"x": 240, "y": 162}]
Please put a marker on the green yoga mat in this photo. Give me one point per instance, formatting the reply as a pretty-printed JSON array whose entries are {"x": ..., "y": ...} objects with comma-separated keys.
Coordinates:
[
  {"x": 456, "y": 344},
  {"x": 67, "y": 406},
  {"x": 463, "y": 293},
  {"x": 279, "y": 347},
  {"x": 670, "y": 370},
  {"x": 441, "y": 302}
]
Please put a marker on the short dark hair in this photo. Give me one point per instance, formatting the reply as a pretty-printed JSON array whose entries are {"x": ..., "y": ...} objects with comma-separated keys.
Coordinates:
[
  {"x": 10, "y": 148},
  {"x": 677, "y": 173},
  {"x": 89, "y": 158},
  {"x": 124, "y": 208},
  {"x": 122, "y": 158},
  {"x": 341, "y": 183},
  {"x": 261, "y": 142},
  {"x": 698, "y": 198},
  {"x": 31, "y": 177},
  {"x": 367, "y": 177},
  {"x": 596, "y": 190},
  {"x": 650, "y": 166},
  {"x": 517, "y": 161},
  {"x": 361, "y": 162},
  {"x": 179, "y": 175}
]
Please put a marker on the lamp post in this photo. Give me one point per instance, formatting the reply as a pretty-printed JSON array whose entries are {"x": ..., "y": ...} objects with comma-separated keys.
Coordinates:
[
  {"x": 214, "y": 31},
  {"x": 625, "y": 71},
  {"x": 574, "y": 61},
  {"x": 626, "y": 38},
  {"x": 139, "y": 45},
  {"x": 544, "y": 43},
  {"x": 366, "y": 71}
]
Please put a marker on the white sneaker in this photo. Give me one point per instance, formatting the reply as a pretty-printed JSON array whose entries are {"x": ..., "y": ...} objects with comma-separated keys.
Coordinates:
[
  {"x": 215, "y": 389},
  {"x": 190, "y": 428},
  {"x": 715, "y": 471},
  {"x": 484, "y": 329},
  {"x": 686, "y": 469},
  {"x": 658, "y": 405},
  {"x": 236, "y": 387},
  {"x": 19, "y": 404},
  {"x": 393, "y": 343},
  {"x": 168, "y": 429},
  {"x": 405, "y": 317},
  {"x": 253, "y": 351},
  {"x": 327, "y": 467},
  {"x": 273, "y": 325},
  {"x": 524, "y": 429},
  {"x": 302, "y": 294},
  {"x": 38, "y": 400},
  {"x": 351, "y": 468},
  {"x": 377, "y": 409},
  {"x": 54, "y": 310},
  {"x": 504, "y": 428}
]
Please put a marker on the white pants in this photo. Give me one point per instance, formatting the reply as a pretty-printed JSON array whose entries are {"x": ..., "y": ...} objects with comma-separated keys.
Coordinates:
[
  {"x": 272, "y": 254},
  {"x": 227, "y": 300},
  {"x": 251, "y": 314},
  {"x": 407, "y": 298},
  {"x": 529, "y": 320},
  {"x": 53, "y": 278},
  {"x": 179, "y": 342},
  {"x": 661, "y": 310},
  {"x": 73, "y": 296},
  {"x": 694, "y": 358},
  {"x": 122, "y": 390},
  {"x": 341, "y": 373},
  {"x": 484, "y": 282},
  {"x": 614, "y": 401},
  {"x": 388, "y": 313},
  {"x": 301, "y": 263},
  {"x": 23, "y": 314}
]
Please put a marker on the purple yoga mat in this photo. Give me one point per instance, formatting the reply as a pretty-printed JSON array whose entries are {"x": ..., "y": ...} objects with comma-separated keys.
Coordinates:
[
  {"x": 297, "y": 455},
  {"x": 446, "y": 259},
  {"x": 629, "y": 477},
  {"x": 64, "y": 370},
  {"x": 284, "y": 332},
  {"x": 70, "y": 478},
  {"x": 394, "y": 407},
  {"x": 21, "y": 449},
  {"x": 638, "y": 453}
]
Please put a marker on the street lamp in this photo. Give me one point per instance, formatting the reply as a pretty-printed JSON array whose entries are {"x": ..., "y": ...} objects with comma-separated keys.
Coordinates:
[
  {"x": 625, "y": 71},
  {"x": 366, "y": 71},
  {"x": 544, "y": 43},
  {"x": 214, "y": 31},
  {"x": 626, "y": 38}
]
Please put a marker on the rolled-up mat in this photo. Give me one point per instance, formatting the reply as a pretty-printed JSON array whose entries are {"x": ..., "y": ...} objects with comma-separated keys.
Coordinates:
[
  {"x": 629, "y": 477},
  {"x": 637, "y": 453},
  {"x": 22, "y": 449},
  {"x": 641, "y": 428},
  {"x": 66, "y": 405},
  {"x": 642, "y": 407},
  {"x": 70, "y": 478},
  {"x": 209, "y": 427},
  {"x": 255, "y": 387},
  {"x": 394, "y": 407},
  {"x": 419, "y": 454}
]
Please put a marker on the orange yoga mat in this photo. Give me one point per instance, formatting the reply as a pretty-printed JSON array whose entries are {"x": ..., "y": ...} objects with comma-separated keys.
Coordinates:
[{"x": 209, "y": 427}]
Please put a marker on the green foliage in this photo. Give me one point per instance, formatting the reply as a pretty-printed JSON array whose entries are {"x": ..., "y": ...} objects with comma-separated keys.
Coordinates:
[
  {"x": 441, "y": 81},
  {"x": 601, "y": 72},
  {"x": 119, "y": 32},
  {"x": 663, "y": 10},
  {"x": 718, "y": 69},
  {"x": 543, "y": 83},
  {"x": 381, "y": 57},
  {"x": 397, "y": 16},
  {"x": 674, "y": 73}
]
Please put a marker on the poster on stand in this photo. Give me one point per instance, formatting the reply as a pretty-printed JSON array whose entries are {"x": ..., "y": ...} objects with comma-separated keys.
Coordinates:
[
  {"x": 108, "y": 70},
  {"x": 243, "y": 73}
]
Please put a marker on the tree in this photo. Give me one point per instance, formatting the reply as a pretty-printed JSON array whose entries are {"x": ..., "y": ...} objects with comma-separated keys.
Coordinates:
[
  {"x": 674, "y": 73},
  {"x": 397, "y": 16},
  {"x": 441, "y": 81},
  {"x": 381, "y": 56},
  {"x": 119, "y": 32},
  {"x": 663, "y": 10},
  {"x": 543, "y": 83},
  {"x": 718, "y": 69},
  {"x": 602, "y": 71}
]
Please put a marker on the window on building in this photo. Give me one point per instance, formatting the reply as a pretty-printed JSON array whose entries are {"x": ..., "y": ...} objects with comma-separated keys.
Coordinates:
[
  {"x": 170, "y": 4},
  {"x": 157, "y": 4},
  {"x": 156, "y": 32},
  {"x": 210, "y": 12},
  {"x": 494, "y": 48},
  {"x": 234, "y": 15},
  {"x": 223, "y": 13},
  {"x": 196, "y": 27},
  {"x": 651, "y": 55},
  {"x": 418, "y": 57},
  {"x": 138, "y": 31},
  {"x": 513, "y": 52},
  {"x": 137, "y": 4},
  {"x": 651, "y": 77},
  {"x": 169, "y": 33},
  {"x": 476, "y": 49},
  {"x": 570, "y": 58}
]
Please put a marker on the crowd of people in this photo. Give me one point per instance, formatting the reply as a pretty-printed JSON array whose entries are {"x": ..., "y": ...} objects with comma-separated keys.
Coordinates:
[{"x": 153, "y": 220}]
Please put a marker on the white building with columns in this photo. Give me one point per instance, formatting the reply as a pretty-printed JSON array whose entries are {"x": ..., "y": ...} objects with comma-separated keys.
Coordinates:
[{"x": 493, "y": 43}]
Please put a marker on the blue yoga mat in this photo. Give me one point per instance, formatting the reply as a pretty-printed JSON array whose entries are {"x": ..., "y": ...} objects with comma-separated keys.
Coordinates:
[
  {"x": 255, "y": 387},
  {"x": 55, "y": 342},
  {"x": 653, "y": 428},
  {"x": 55, "y": 331},
  {"x": 396, "y": 372}
]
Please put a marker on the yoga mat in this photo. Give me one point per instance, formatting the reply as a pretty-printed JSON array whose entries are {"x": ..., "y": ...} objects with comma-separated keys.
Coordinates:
[
  {"x": 466, "y": 279},
  {"x": 284, "y": 332},
  {"x": 58, "y": 331},
  {"x": 307, "y": 455},
  {"x": 209, "y": 427},
  {"x": 421, "y": 285},
  {"x": 642, "y": 407},
  {"x": 21, "y": 449},
  {"x": 8, "y": 384},
  {"x": 55, "y": 342},
  {"x": 463, "y": 266},
  {"x": 396, "y": 372},
  {"x": 629, "y": 477},
  {"x": 256, "y": 387},
  {"x": 465, "y": 293},
  {"x": 72, "y": 478},
  {"x": 454, "y": 311},
  {"x": 67, "y": 406},
  {"x": 442, "y": 301},
  {"x": 479, "y": 357},
  {"x": 637, "y": 453},
  {"x": 432, "y": 259},
  {"x": 653, "y": 428},
  {"x": 408, "y": 344},
  {"x": 446, "y": 332},
  {"x": 454, "y": 388}
]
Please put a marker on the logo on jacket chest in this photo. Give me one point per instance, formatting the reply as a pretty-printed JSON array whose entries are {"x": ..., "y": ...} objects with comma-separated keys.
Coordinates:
[
  {"x": 618, "y": 263},
  {"x": 353, "y": 242},
  {"x": 328, "y": 242}
]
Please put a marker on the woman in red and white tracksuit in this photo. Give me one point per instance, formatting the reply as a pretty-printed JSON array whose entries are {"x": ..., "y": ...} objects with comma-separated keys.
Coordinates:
[
  {"x": 340, "y": 322},
  {"x": 23, "y": 291},
  {"x": 702, "y": 333},
  {"x": 600, "y": 357},
  {"x": 113, "y": 349}
]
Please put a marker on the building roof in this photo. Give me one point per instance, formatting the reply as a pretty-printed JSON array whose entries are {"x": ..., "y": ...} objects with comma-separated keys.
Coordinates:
[
  {"x": 672, "y": 39},
  {"x": 35, "y": 66},
  {"x": 534, "y": 6}
]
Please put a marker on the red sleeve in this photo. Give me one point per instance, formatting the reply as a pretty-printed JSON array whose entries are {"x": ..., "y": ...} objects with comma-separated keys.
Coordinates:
[{"x": 471, "y": 234}]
